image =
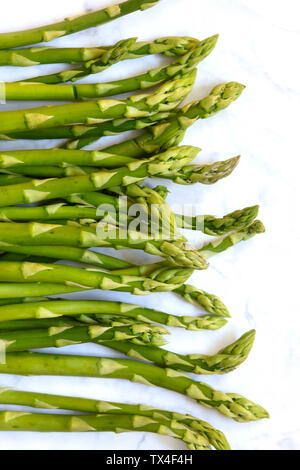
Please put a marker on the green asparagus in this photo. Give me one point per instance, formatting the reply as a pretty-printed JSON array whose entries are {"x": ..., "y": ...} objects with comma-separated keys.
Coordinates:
[
  {"x": 39, "y": 190},
  {"x": 189, "y": 174},
  {"x": 48, "y": 309},
  {"x": 85, "y": 278},
  {"x": 176, "y": 253},
  {"x": 123, "y": 50},
  {"x": 38, "y": 422},
  {"x": 223, "y": 362},
  {"x": 221, "y": 245},
  {"x": 230, "y": 404},
  {"x": 59, "y": 337},
  {"x": 210, "y": 225},
  {"x": 25, "y": 90},
  {"x": 72, "y": 25},
  {"x": 172, "y": 132},
  {"x": 168, "y": 133},
  {"x": 169, "y": 46},
  {"x": 167, "y": 97},
  {"x": 41, "y": 400}
]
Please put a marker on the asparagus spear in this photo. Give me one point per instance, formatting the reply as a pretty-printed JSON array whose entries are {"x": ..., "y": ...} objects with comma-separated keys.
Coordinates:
[
  {"x": 189, "y": 174},
  {"x": 176, "y": 253},
  {"x": 21, "y": 300},
  {"x": 235, "y": 221},
  {"x": 64, "y": 253},
  {"x": 154, "y": 212},
  {"x": 89, "y": 133},
  {"x": 8, "y": 290},
  {"x": 210, "y": 225},
  {"x": 123, "y": 50},
  {"x": 35, "y": 290},
  {"x": 223, "y": 362},
  {"x": 230, "y": 404},
  {"x": 219, "y": 246},
  {"x": 145, "y": 339},
  {"x": 211, "y": 303},
  {"x": 61, "y": 322},
  {"x": 169, "y": 46},
  {"x": 75, "y": 308},
  {"x": 38, "y": 422},
  {"x": 59, "y": 337},
  {"x": 205, "y": 174},
  {"x": 172, "y": 132},
  {"x": 62, "y": 158},
  {"x": 40, "y": 190},
  {"x": 41, "y": 400},
  {"x": 7, "y": 180},
  {"x": 72, "y": 25},
  {"x": 167, "y": 97},
  {"x": 162, "y": 135},
  {"x": 90, "y": 278},
  {"x": 24, "y": 91},
  {"x": 108, "y": 58}
]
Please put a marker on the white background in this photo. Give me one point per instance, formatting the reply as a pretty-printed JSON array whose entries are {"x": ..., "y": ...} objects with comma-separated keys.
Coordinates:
[{"x": 258, "y": 280}]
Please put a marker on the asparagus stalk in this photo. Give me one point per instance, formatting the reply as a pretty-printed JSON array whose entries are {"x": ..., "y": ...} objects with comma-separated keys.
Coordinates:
[
  {"x": 8, "y": 290},
  {"x": 223, "y": 362},
  {"x": 62, "y": 158},
  {"x": 72, "y": 25},
  {"x": 123, "y": 50},
  {"x": 205, "y": 174},
  {"x": 160, "y": 136},
  {"x": 233, "y": 222},
  {"x": 62, "y": 322},
  {"x": 221, "y": 245},
  {"x": 90, "y": 278},
  {"x": 39, "y": 190},
  {"x": 210, "y": 225},
  {"x": 167, "y": 97},
  {"x": 189, "y": 174},
  {"x": 38, "y": 422},
  {"x": 108, "y": 58},
  {"x": 155, "y": 214},
  {"x": 59, "y": 337},
  {"x": 230, "y": 404},
  {"x": 35, "y": 290},
  {"x": 20, "y": 300},
  {"x": 169, "y": 46},
  {"x": 89, "y": 133},
  {"x": 170, "y": 133},
  {"x": 211, "y": 303},
  {"x": 121, "y": 338},
  {"x": 48, "y": 309},
  {"x": 176, "y": 253},
  {"x": 40, "y": 400},
  {"x": 64, "y": 253},
  {"x": 24, "y": 91},
  {"x": 7, "y": 180}
]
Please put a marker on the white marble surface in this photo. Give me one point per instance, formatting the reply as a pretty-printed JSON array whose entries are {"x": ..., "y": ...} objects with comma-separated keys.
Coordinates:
[{"x": 258, "y": 280}]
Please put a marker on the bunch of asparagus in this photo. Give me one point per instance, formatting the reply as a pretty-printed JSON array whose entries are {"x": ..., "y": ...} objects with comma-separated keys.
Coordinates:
[{"x": 61, "y": 204}]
